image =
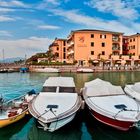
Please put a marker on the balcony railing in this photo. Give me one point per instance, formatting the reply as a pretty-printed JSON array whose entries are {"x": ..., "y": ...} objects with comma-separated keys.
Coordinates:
[
  {"x": 70, "y": 44},
  {"x": 114, "y": 48},
  {"x": 71, "y": 52},
  {"x": 116, "y": 39}
]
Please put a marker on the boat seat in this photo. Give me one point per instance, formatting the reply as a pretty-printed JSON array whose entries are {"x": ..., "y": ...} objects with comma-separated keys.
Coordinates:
[
  {"x": 52, "y": 106},
  {"x": 120, "y": 106},
  {"x": 12, "y": 113}
]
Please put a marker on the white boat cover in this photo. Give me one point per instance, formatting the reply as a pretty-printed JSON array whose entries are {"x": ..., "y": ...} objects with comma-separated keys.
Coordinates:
[
  {"x": 59, "y": 82},
  {"x": 63, "y": 103},
  {"x": 133, "y": 90},
  {"x": 110, "y": 101},
  {"x": 118, "y": 107},
  {"x": 99, "y": 87},
  {"x": 136, "y": 87}
]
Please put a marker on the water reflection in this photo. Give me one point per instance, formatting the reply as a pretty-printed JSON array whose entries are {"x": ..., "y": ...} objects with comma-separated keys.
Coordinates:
[
  {"x": 70, "y": 131},
  {"x": 99, "y": 131},
  {"x": 83, "y": 127},
  {"x": 7, "y": 132}
]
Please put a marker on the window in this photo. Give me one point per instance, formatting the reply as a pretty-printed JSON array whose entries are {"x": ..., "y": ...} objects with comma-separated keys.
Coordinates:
[
  {"x": 92, "y": 35},
  {"x": 103, "y": 44},
  {"x": 64, "y": 56},
  {"x": 57, "y": 54},
  {"x": 134, "y": 47},
  {"x": 133, "y": 39},
  {"x": 103, "y": 52},
  {"x": 103, "y": 36},
  {"x": 130, "y": 40},
  {"x": 92, "y": 44},
  {"x": 57, "y": 48},
  {"x": 64, "y": 49},
  {"x": 64, "y": 43},
  {"x": 92, "y": 52}
]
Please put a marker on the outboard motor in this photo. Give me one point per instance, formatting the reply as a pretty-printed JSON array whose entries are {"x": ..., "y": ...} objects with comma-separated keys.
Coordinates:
[{"x": 31, "y": 92}]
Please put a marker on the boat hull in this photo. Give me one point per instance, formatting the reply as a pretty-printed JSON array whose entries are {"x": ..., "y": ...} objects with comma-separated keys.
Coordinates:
[
  {"x": 10, "y": 120},
  {"x": 120, "y": 125},
  {"x": 56, "y": 124}
]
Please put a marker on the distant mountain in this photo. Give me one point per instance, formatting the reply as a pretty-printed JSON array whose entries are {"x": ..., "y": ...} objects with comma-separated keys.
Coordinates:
[{"x": 10, "y": 60}]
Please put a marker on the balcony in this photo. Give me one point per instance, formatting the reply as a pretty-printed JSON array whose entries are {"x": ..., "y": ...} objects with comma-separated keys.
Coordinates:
[
  {"x": 115, "y": 48},
  {"x": 71, "y": 43},
  {"x": 71, "y": 52},
  {"x": 115, "y": 39}
]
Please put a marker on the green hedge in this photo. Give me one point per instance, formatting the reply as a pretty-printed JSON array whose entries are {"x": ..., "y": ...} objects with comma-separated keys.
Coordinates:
[{"x": 51, "y": 63}]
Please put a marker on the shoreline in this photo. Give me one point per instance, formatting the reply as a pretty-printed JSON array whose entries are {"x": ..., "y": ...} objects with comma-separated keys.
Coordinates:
[{"x": 74, "y": 68}]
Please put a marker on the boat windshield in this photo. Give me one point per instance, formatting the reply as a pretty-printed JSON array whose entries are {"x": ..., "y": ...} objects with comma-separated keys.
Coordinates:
[
  {"x": 67, "y": 89},
  {"x": 49, "y": 89}
]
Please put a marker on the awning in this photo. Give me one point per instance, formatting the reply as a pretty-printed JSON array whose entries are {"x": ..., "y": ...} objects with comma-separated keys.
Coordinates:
[
  {"x": 95, "y": 61},
  {"x": 123, "y": 61},
  {"x": 118, "y": 62},
  {"x": 107, "y": 61}
]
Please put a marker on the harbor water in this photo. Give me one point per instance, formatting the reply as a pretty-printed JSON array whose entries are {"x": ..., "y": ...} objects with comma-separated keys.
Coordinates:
[{"x": 83, "y": 127}]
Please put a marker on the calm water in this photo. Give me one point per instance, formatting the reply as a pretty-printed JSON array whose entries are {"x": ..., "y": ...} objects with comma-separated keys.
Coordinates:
[{"x": 83, "y": 127}]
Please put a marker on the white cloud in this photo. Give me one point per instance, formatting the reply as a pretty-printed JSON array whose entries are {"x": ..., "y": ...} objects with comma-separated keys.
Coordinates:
[
  {"x": 13, "y": 3},
  {"x": 4, "y": 18},
  {"x": 48, "y": 3},
  {"x": 48, "y": 27},
  {"x": 51, "y": 3},
  {"x": 28, "y": 46},
  {"x": 74, "y": 16},
  {"x": 119, "y": 8},
  {"x": 5, "y": 10},
  {"x": 5, "y": 33}
]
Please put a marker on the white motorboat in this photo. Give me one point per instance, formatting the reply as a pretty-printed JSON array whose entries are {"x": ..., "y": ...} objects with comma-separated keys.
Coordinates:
[
  {"x": 57, "y": 104},
  {"x": 50, "y": 70},
  {"x": 84, "y": 70},
  {"x": 133, "y": 90},
  {"x": 110, "y": 105}
]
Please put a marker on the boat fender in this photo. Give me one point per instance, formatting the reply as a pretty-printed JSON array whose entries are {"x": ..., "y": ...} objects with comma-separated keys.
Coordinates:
[
  {"x": 28, "y": 98},
  {"x": 81, "y": 90},
  {"x": 82, "y": 104},
  {"x": 19, "y": 111}
]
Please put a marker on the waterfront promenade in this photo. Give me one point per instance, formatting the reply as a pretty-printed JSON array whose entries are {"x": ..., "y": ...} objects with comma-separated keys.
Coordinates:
[{"x": 71, "y": 68}]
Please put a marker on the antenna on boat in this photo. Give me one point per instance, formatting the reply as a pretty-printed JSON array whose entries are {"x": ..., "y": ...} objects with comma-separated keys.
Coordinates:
[
  {"x": 3, "y": 56},
  {"x": 25, "y": 59}
]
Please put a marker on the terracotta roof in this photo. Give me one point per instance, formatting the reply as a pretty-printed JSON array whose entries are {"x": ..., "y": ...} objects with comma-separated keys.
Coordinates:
[{"x": 94, "y": 30}]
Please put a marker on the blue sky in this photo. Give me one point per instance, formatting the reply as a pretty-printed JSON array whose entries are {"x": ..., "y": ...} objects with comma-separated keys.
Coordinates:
[{"x": 29, "y": 26}]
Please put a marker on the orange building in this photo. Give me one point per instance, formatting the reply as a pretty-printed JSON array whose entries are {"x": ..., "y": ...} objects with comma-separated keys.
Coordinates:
[
  {"x": 93, "y": 45},
  {"x": 125, "y": 45},
  {"x": 96, "y": 46},
  {"x": 134, "y": 44},
  {"x": 59, "y": 49}
]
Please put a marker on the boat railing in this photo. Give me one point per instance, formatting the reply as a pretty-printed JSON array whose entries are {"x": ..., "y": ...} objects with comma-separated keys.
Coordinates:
[{"x": 31, "y": 109}]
